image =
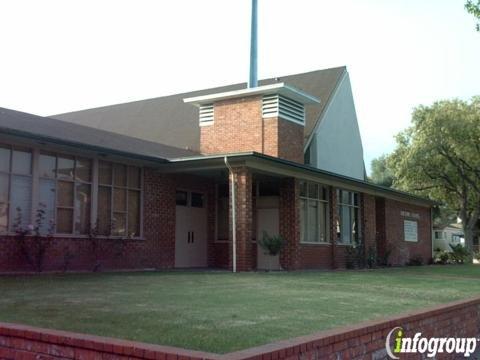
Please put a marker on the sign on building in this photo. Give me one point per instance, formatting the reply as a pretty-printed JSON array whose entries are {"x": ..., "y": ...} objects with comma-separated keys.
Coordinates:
[{"x": 410, "y": 230}]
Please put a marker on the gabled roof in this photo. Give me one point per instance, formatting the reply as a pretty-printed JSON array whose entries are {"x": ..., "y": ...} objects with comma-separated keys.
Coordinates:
[
  {"x": 169, "y": 121},
  {"x": 61, "y": 132}
]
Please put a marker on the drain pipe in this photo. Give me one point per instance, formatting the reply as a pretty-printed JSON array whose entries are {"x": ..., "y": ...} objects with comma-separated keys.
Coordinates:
[{"x": 234, "y": 218}]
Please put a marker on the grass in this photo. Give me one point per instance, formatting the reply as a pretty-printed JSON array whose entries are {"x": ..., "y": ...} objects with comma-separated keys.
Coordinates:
[{"x": 222, "y": 312}]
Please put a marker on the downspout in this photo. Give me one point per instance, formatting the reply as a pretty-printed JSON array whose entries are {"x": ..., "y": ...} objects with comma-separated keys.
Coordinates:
[{"x": 234, "y": 218}]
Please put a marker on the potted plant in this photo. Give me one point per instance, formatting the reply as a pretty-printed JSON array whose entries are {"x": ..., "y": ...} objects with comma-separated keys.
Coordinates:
[{"x": 272, "y": 245}]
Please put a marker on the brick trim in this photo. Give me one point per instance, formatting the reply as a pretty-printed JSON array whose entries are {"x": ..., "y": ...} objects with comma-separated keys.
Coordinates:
[{"x": 365, "y": 340}]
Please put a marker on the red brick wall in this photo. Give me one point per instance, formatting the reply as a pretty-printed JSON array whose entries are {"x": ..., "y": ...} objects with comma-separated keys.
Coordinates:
[
  {"x": 289, "y": 214},
  {"x": 361, "y": 341},
  {"x": 155, "y": 250},
  {"x": 239, "y": 127},
  {"x": 403, "y": 250}
]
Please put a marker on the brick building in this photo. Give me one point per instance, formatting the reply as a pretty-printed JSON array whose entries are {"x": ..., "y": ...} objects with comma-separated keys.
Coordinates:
[{"x": 154, "y": 179}]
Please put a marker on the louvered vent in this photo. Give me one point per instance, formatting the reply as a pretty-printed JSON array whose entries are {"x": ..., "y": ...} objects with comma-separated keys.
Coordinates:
[
  {"x": 206, "y": 114},
  {"x": 280, "y": 106}
]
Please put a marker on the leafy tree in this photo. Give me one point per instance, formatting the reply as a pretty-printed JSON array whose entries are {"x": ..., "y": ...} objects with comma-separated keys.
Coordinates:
[
  {"x": 381, "y": 173},
  {"x": 439, "y": 156},
  {"x": 474, "y": 9}
]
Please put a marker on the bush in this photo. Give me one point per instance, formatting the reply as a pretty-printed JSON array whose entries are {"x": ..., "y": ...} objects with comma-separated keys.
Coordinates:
[
  {"x": 476, "y": 255},
  {"x": 416, "y": 260},
  {"x": 459, "y": 254},
  {"x": 443, "y": 257},
  {"x": 272, "y": 245}
]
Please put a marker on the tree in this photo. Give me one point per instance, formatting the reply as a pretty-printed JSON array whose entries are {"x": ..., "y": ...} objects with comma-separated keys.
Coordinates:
[
  {"x": 381, "y": 173},
  {"x": 474, "y": 9},
  {"x": 439, "y": 156}
]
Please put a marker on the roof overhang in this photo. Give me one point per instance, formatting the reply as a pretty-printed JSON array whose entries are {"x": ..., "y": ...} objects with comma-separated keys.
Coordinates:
[
  {"x": 279, "y": 88},
  {"x": 77, "y": 146},
  {"x": 265, "y": 164}
]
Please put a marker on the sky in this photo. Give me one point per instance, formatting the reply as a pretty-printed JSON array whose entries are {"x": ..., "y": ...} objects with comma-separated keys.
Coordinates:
[{"x": 58, "y": 56}]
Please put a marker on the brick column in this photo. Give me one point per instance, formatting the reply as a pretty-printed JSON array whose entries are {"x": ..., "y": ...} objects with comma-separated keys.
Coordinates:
[
  {"x": 244, "y": 219},
  {"x": 368, "y": 223},
  {"x": 289, "y": 214},
  {"x": 332, "y": 193}
]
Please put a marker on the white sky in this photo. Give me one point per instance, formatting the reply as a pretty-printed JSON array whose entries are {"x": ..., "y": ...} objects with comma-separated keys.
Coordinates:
[{"x": 58, "y": 56}]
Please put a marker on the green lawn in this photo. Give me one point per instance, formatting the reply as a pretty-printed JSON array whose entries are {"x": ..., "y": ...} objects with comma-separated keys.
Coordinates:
[{"x": 221, "y": 312}]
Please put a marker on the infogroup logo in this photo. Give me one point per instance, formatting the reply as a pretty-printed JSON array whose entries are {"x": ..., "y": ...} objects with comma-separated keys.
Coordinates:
[{"x": 429, "y": 346}]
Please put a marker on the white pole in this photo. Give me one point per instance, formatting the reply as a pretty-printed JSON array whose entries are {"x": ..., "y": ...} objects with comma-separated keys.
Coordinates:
[
  {"x": 253, "y": 78},
  {"x": 234, "y": 217}
]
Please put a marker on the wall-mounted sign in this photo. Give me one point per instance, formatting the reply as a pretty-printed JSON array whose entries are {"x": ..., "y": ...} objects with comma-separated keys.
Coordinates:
[
  {"x": 410, "y": 230},
  {"x": 410, "y": 214}
]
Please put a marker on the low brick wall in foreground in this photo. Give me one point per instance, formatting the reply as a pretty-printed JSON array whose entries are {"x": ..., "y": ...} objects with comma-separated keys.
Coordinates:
[{"x": 361, "y": 341}]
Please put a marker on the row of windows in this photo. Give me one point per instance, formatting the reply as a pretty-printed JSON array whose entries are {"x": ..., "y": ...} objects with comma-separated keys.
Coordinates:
[
  {"x": 315, "y": 218},
  {"x": 65, "y": 188}
]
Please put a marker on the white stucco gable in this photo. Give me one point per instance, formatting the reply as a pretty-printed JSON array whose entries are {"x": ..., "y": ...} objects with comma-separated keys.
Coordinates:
[{"x": 335, "y": 144}]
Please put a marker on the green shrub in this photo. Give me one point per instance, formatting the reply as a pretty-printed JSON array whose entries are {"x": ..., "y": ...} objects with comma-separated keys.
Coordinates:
[
  {"x": 272, "y": 245},
  {"x": 459, "y": 254}
]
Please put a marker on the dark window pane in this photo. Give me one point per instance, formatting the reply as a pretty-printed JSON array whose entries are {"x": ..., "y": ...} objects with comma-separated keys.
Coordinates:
[
  {"x": 65, "y": 194},
  {"x": 312, "y": 191},
  {"x": 82, "y": 208},
  {"x": 47, "y": 165},
  {"x": 119, "y": 200},
  {"x": 104, "y": 210},
  {"x": 133, "y": 213},
  {"x": 4, "y": 181},
  {"x": 64, "y": 221},
  {"x": 4, "y": 159},
  {"x": 134, "y": 177},
  {"x": 105, "y": 173},
  {"x": 83, "y": 170},
  {"x": 303, "y": 188},
  {"x": 181, "y": 197},
  {"x": 22, "y": 162},
  {"x": 119, "y": 175},
  {"x": 197, "y": 200},
  {"x": 65, "y": 168}
]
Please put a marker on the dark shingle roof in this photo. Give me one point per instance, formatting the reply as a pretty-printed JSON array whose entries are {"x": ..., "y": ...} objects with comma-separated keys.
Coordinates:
[
  {"x": 18, "y": 123},
  {"x": 169, "y": 121}
]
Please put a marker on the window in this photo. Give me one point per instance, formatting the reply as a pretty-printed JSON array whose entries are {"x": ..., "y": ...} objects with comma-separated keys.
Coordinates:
[
  {"x": 15, "y": 187},
  {"x": 348, "y": 222},
  {"x": 181, "y": 198},
  {"x": 438, "y": 235},
  {"x": 119, "y": 199},
  {"x": 197, "y": 200},
  {"x": 314, "y": 218},
  {"x": 410, "y": 230},
  {"x": 65, "y": 190}
]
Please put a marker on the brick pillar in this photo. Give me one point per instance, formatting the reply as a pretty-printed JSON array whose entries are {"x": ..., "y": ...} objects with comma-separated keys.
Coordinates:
[
  {"x": 289, "y": 214},
  {"x": 244, "y": 216},
  {"x": 333, "y": 224},
  {"x": 368, "y": 223}
]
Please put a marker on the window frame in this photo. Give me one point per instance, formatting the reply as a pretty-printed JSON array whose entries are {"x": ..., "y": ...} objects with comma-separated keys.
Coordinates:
[
  {"x": 320, "y": 202},
  {"x": 94, "y": 185},
  {"x": 352, "y": 207},
  {"x": 10, "y": 174}
]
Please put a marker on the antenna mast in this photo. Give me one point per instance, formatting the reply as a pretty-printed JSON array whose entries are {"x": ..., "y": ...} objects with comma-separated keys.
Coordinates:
[{"x": 253, "y": 78}]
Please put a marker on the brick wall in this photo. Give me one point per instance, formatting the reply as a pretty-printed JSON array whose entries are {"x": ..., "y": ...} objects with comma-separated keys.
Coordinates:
[
  {"x": 155, "y": 250},
  {"x": 361, "y": 341},
  {"x": 239, "y": 127},
  {"x": 403, "y": 250}
]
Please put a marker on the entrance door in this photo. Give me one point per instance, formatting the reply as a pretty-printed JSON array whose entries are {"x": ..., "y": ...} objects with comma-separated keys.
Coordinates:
[
  {"x": 190, "y": 230},
  {"x": 267, "y": 221}
]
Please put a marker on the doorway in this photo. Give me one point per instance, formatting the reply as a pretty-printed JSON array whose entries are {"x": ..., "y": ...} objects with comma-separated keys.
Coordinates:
[{"x": 190, "y": 229}]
